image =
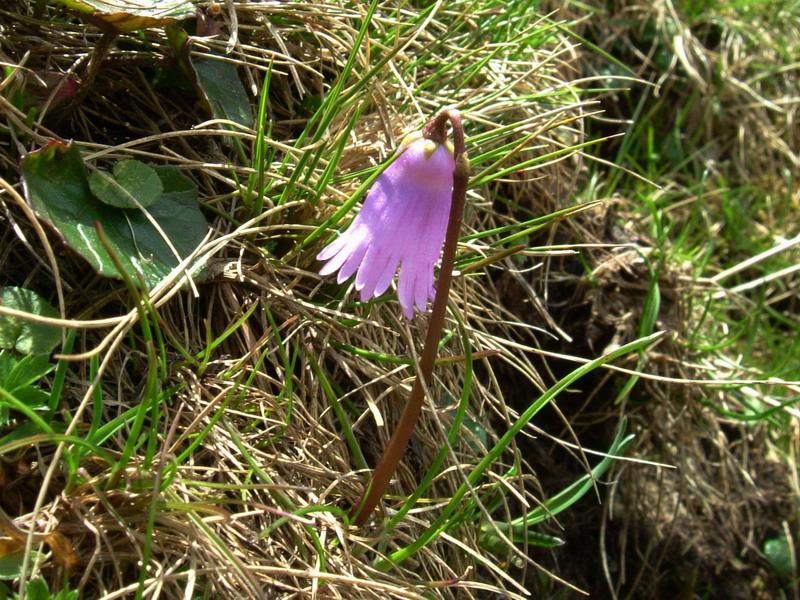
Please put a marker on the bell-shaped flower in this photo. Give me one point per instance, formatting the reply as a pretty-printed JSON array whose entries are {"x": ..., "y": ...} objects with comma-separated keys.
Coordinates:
[{"x": 403, "y": 222}]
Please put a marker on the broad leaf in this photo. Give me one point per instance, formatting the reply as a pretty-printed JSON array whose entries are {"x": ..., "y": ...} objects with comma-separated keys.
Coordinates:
[
  {"x": 219, "y": 83},
  {"x": 124, "y": 16},
  {"x": 779, "y": 554},
  {"x": 18, "y": 378},
  {"x": 217, "y": 80},
  {"x": 27, "y": 337},
  {"x": 57, "y": 189},
  {"x": 12, "y": 554},
  {"x": 132, "y": 179},
  {"x": 11, "y": 563},
  {"x": 17, "y": 373}
]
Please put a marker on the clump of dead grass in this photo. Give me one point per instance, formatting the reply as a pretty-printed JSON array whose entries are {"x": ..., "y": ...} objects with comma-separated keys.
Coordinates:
[
  {"x": 254, "y": 509},
  {"x": 725, "y": 72},
  {"x": 719, "y": 119}
]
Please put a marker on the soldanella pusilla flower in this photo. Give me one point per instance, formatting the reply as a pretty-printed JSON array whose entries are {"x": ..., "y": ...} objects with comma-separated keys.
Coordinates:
[{"x": 403, "y": 222}]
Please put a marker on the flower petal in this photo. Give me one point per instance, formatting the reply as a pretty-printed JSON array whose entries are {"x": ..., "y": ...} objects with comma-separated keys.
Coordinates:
[
  {"x": 331, "y": 249},
  {"x": 421, "y": 289},
  {"x": 377, "y": 266},
  {"x": 384, "y": 253},
  {"x": 402, "y": 222},
  {"x": 352, "y": 263},
  {"x": 405, "y": 290},
  {"x": 338, "y": 259},
  {"x": 388, "y": 271}
]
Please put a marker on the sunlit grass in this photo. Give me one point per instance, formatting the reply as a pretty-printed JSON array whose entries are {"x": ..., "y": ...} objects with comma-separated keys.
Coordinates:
[
  {"x": 233, "y": 426},
  {"x": 211, "y": 443},
  {"x": 718, "y": 236}
]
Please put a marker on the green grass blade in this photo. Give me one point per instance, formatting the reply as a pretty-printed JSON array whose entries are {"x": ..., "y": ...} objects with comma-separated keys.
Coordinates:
[{"x": 441, "y": 523}]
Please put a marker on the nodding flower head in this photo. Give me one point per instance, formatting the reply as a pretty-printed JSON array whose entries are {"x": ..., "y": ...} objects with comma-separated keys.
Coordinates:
[{"x": 403, "y": 222}]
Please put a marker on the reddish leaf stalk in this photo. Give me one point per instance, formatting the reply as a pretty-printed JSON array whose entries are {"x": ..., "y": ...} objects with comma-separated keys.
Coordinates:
[{"x": 436, "y": 130}]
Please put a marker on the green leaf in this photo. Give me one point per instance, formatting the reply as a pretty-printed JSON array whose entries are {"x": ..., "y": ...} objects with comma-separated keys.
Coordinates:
[
  {"x": 220, "y": 86},
  {"x": 216, "y": 80},
  {"x": 489, "y": 540},
  {"x": 132, "y": 180},
  {"x": 66, "y": 594},
  {"x": 479, "y": 439},
  {"x": 17, "y": 373},
  {"x": 27, "y": 337},
  {"x": 38, "y": 590},
  {"x": 32, "y": 397},
  {"x": 57, "y": 189},
  {"x": 18, "y": 377},
  {"x": 124, "y": 16},
  {"x": 520, "y": 529},
  {"x": 779, "y": 555},
  {"x": 178, "y": 187},
  {"x": 11, "y": 564}
]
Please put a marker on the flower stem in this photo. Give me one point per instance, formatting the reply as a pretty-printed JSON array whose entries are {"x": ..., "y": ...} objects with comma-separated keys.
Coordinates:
[{"x": 436, "y": 130}]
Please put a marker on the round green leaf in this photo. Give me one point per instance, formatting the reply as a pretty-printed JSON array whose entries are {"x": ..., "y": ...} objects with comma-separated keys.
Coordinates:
[
  {"x": 57, "y": 189},
  {"x": 132, "y": 180},
  {"x": 27, "y": 337}
]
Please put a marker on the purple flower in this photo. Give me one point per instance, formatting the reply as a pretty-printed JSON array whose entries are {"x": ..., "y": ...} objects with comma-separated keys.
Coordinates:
[{"x": 403, "y": 222}]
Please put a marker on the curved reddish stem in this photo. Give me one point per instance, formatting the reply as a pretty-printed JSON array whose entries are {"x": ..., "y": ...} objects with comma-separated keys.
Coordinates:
[{"x": 436, "y": 130}]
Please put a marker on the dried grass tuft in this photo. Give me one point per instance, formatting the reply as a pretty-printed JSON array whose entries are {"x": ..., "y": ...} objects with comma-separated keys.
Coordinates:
[{"x": 273, "y": 458}]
